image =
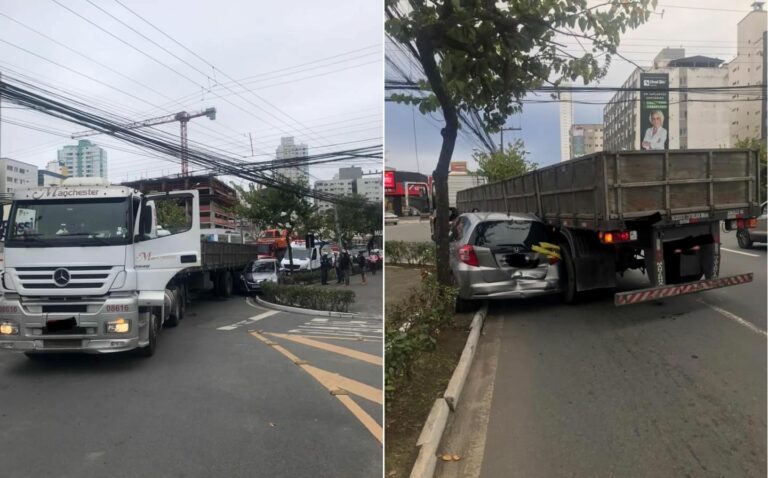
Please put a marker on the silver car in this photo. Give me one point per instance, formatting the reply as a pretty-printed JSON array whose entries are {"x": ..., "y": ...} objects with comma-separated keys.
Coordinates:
[
  {"x": 747, "y": 237},
  {"x": 257, "y": 272},
  {"x": 492, "y": 258}
]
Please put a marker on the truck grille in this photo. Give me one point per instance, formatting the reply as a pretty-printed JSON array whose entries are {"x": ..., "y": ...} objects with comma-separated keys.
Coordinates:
[{"x": 75, "y": 277}]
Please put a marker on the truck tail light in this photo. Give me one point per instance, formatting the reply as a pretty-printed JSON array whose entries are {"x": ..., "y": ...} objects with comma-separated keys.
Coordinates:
[
  {"x": 616, "y": 237},
  {"x": 467, "y": 256}
]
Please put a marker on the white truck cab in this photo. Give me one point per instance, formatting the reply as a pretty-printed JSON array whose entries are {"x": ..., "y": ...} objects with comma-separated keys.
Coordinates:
[
  {"x": 93, "y": 267},
  {"x": 303, "y": 259}
]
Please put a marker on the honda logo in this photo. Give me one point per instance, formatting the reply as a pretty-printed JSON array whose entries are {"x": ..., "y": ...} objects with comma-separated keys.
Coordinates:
[{"x": 61, "y": 277}]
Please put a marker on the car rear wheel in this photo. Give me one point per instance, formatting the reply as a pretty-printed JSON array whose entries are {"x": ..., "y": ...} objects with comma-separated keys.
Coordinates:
[{"x": 742, "y": 236}]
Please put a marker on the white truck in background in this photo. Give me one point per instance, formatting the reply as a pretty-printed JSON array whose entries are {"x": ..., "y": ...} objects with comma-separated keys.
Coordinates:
[{"x": 93, "y": 267}]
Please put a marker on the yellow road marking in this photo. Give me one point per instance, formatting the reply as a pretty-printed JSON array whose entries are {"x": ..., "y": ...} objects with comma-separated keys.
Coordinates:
[
  {"x": 337, "y": 337},
  {"x": 372, "y": 359},
  {"x": 333, "y": 382},
  {"x": 364, "y": 418}
]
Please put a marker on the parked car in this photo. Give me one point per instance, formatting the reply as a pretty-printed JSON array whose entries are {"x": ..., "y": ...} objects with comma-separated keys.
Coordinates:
[
  {"x": 257, "y": 272},
  {"x": 492, "y": 257},
  {"x": 747, "y": 237},
  {"x": 390, "y": 218}
]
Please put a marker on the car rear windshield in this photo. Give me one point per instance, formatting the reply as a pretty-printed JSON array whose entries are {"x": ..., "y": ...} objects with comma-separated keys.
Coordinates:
[{"x": 511, "y": 233}]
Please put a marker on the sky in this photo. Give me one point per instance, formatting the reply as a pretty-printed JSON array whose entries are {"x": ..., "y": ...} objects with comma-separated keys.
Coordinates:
[
  {"x": 702, "y": 27},
  {"x": 309, "y": 69}
]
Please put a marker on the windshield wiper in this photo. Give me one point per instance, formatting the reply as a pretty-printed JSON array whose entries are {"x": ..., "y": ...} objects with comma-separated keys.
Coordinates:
[{"x": 30, "y": 238}]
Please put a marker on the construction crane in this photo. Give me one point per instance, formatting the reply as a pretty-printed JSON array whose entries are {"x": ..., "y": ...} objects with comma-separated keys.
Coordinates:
[{"x": 182, "y": 117}]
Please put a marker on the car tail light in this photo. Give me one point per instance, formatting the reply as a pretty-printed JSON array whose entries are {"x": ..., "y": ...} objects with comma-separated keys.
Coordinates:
[
  {"x": 615, "y": 237},
  {"x": 467, "y": 256},
  {"x": 752, "y": 222}
]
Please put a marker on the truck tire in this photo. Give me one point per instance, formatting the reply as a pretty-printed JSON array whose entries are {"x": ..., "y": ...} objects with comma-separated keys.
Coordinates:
[
  {"x": 568, "y": 276},
  {"x": 149, "y": 349},
  {"x": 224, "y": 284},
  {"x": 174, "y": 317},
  {"x": 742, "y": 236}
]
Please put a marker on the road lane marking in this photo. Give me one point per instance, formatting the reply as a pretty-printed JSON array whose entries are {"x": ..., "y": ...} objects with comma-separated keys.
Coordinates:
[
  {"x": 367, "y": 421},
  {"x": 355, "y": 338},
  {"x": 250, "y": 320},
  {"x": 351, "y": 353},
  {"x": 736, "y": 319},
  {"x": 740, "y": 252},
  {"x": 333, "y": 382}
]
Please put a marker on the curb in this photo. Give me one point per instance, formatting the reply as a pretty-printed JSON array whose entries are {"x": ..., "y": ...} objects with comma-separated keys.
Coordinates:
[
  {"x": 432, "y": 432},
  {"x": 321, "y": 313}
]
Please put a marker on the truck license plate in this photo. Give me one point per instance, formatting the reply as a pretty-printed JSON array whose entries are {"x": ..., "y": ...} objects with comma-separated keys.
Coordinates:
[{"x": 61, "y": 324}]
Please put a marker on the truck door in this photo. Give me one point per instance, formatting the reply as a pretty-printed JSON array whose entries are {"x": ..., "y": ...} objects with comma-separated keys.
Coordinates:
[{"x": 166, "y": 238}]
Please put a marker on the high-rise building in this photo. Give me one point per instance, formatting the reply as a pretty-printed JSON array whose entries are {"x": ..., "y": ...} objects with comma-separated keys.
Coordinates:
[
  {"x": 288, "y": 150},
  {"x": 690, "y": 119},
  {"x": 748, "y": 108},
  {"x": 84, "y": 160},
  {"x": 350, "y": 181},
  {"x": 15, "y": 175},
  {"x": 339, "y": 187},
  {"x": 586, "y": 139},
  {"x": 566, "y": 121}
]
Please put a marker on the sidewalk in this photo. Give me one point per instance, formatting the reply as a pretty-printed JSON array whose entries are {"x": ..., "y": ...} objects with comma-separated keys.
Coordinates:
[{"x": 367, "y": 297}]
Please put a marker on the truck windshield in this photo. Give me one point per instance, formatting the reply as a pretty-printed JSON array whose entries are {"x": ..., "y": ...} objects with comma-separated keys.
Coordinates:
[
  {"x": 500, "y": 234},
  {"x": 298, "y": 253},
  {"x": 65, "y": 223}
]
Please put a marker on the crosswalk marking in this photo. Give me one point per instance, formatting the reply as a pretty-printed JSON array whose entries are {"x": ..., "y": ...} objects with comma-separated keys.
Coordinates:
[{"x": 318, "y": 326}]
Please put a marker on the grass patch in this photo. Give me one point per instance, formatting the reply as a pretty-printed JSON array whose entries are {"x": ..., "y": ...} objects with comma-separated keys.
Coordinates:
[{"x": 308, "y": 297}]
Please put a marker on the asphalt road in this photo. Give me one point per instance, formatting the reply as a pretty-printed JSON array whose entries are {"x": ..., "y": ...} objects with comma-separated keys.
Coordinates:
[
  {"x": 409, "y": 229},
  {"x": 669, "y": 388},
  {"x": 235, "y": 391}
]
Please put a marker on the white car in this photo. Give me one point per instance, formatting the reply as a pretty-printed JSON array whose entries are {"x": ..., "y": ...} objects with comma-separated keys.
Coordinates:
[{"x": 390, "y": 218}]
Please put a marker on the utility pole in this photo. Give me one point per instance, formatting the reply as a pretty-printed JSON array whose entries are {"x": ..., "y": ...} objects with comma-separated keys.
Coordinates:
[
  {"x": 251, "y": 138},
  {"x": 502, "y": 135}
]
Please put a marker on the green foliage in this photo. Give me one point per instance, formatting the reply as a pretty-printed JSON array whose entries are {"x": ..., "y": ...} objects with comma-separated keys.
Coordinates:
[
  {"x": 492, "y": 53},
  {"x": 410, "y": 253},
  {"x": 500, "y": 165},
  {"x": 308, "y": 297},
  {"x": 356, "y": 216},
  {"x": 759, "y": 146},
  {"x": 172, "y": 215},
  {"x": 412, "y": 327}
]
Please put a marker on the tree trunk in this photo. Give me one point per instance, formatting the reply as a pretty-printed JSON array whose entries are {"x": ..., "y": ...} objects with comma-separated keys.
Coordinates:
[
  {"x": 440, "y": 175},
  {"x": 290, "y": 251}
]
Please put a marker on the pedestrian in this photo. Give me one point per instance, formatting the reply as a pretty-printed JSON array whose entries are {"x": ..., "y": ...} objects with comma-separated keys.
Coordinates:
[
  {"x": 345, "y": 263},
  {"x": 337, "y": 268},
  {"x": 325, "y": 264},
  {"x": 373, "y": 261},
  {"x": 361, "y": 262}
]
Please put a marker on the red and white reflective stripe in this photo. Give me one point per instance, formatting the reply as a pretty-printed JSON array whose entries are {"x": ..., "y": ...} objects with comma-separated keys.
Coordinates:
[{"x": 635, "y": 297}]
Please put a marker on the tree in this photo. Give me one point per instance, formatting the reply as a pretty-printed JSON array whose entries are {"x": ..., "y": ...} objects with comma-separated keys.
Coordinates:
[
  {"x": 353, "y": 216},
  {"x": 500, "y": 165},
  {"x": 484, "y": 56},
  {"x": 274, "y": 207},
  {"x": 759, "y": 146}
]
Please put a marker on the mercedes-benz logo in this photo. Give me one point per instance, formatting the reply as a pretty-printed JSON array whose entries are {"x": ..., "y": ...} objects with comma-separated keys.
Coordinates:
[{"x": 61, "y": 277}]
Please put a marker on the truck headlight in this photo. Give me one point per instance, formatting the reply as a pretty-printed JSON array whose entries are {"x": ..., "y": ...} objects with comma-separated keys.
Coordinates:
[
  {"x": 119, "y": 326},
  {"x": 8, "y": 327}
]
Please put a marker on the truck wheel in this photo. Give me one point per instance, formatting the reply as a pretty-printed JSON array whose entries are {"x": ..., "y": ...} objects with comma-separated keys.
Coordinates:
[
  {"x": 742, "y": 236},
  {"x": 224, "y": 284},
  {"x": 567, "y": 276},
  {"x": 175, "y": 315},
  {"x": 149, "y": 349}
]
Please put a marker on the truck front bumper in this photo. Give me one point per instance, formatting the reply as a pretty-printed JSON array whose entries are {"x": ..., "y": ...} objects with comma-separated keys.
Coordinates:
[{"x": 36, "y": 331}]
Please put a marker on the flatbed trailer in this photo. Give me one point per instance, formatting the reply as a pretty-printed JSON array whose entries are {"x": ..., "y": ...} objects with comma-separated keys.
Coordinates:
[{"x": 658, "y": 211}]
